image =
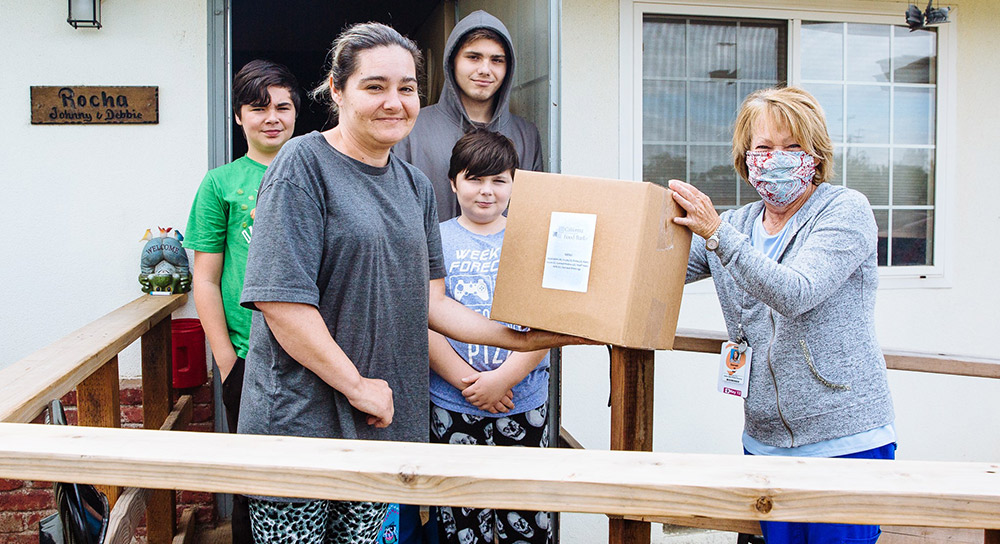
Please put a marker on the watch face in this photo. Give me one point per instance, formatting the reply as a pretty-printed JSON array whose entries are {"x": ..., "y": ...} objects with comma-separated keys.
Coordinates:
[{"x": 712, "y": 244}]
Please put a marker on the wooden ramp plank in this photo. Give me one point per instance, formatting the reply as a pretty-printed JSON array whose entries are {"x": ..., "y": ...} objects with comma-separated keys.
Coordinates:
[
  {"x": 126, "y": 514},
  {"x": 920, "y": 493},
  {"x": 53, "y": 371},
  {"x": 186, "y": 528},
  {"x": 748, "y": 526},
  {"x": 930, "y": 535},
  {"x": 703, "y": 341}
]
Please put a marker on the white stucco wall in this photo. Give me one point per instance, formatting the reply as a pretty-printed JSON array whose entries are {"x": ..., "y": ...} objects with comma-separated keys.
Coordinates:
[
  {"x": 938, "y": 417},
  {"x": 76, "y": 199}
]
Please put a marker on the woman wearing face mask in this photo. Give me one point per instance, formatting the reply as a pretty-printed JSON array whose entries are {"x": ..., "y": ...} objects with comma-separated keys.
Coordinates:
[{"x": 796, "y": 274}]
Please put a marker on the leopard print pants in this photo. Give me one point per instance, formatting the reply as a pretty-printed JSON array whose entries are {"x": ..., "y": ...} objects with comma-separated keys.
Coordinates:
[{"x": 316, "y": 522}]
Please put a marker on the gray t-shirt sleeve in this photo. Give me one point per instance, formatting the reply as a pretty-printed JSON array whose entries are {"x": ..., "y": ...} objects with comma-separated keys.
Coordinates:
[
  {"x": 435, "y": 256},
  {"x": 284, "y": 259}
]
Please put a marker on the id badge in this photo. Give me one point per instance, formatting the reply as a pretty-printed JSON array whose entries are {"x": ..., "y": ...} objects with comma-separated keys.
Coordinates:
[{"x": 734, "y": 369}]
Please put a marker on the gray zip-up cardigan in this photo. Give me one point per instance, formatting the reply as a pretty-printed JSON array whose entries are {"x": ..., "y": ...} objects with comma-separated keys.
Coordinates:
[{"x": 817, "y": 371}]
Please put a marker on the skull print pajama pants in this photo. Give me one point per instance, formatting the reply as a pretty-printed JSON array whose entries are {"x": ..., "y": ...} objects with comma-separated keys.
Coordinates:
[{"x": 459, "y": 525}]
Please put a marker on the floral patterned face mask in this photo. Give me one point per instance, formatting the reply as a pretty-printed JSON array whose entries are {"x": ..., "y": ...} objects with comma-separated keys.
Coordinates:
[{"x": 780, "y": 177}]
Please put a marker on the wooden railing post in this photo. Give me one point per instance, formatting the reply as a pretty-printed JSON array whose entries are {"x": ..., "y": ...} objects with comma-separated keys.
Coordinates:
[
  {"x": 98, "y": 405},
  {"x": 157, "y": 390},
  {"x": 631, "y": 424}
]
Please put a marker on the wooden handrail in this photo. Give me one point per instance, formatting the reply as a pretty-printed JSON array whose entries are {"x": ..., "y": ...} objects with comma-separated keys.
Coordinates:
[
  {"x": 53, "y": 371},
  {"x": 710, "y": 490},
  {"x": 921, "y": 493},
  {"x": 702, "y": 341}
]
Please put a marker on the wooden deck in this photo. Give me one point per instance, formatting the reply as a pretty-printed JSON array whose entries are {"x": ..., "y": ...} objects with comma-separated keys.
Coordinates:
[{"x": 930, "y": 535}]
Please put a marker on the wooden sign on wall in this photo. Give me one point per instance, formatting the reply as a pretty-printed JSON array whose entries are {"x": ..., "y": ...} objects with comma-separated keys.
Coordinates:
[{"x": 88, "y": 105}]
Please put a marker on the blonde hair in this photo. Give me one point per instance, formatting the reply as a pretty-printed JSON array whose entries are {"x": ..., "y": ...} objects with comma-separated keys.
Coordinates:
[{"x": 788, "y": 107}]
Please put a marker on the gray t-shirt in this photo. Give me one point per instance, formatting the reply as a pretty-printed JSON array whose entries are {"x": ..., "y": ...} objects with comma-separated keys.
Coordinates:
[{"x": 360, "y": 243}]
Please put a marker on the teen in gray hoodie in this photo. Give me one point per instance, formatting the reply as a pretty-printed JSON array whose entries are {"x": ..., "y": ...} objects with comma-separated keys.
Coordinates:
[{"x": 438, "y": 127}]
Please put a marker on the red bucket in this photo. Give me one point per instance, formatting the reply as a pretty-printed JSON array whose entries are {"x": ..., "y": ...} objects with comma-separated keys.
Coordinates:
[{"x": 188, "y": 341}]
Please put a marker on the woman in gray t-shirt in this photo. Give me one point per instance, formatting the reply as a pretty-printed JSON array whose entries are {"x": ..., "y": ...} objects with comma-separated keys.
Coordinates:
[{"x": 346, "y": 255}]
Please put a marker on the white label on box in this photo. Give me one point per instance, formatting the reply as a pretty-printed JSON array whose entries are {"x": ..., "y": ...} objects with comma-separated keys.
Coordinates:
[{"x": 568, "y": 253}]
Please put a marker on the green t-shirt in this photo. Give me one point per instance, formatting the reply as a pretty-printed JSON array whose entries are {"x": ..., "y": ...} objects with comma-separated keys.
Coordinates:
[{"x": 220, "y": 222}]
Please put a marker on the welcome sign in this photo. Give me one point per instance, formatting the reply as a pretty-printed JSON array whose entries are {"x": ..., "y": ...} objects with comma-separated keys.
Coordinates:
[{"x": 91, "y": 105}]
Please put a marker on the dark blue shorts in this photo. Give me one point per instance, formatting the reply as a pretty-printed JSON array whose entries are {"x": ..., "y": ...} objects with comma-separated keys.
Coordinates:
[{"x": 783, "y": 532}]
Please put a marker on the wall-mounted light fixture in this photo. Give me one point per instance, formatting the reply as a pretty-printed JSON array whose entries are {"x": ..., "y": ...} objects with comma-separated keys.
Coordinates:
[{"x": 84, "y": 13}]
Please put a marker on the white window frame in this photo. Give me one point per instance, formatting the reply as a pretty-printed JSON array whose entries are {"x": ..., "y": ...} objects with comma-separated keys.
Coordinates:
[{"x": 630, "y": 92}]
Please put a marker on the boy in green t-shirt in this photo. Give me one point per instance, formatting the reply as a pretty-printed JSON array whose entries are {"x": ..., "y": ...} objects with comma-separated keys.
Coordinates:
[{"x": 265, "y": 103}]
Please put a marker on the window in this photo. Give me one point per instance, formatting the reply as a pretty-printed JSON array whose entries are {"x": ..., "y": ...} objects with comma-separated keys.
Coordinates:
[
  {"x": 877, "y": 86},
  {"x": 695, "y": 73},
  {"x": 877, "y": 82}
]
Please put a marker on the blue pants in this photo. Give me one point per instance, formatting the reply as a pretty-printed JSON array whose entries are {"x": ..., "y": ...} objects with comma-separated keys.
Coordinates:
[
  {"x": 410, "y": 529},
  {"x": 783, "y": 532}
]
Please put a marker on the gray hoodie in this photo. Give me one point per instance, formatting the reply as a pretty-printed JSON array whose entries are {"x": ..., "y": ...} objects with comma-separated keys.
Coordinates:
[
  {"x": 817, "y": 370},
  {"x": 438, "y": 127}
]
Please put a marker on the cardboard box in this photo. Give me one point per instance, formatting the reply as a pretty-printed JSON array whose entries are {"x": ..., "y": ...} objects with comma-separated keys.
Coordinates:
[{"x": 626, "y": 292}]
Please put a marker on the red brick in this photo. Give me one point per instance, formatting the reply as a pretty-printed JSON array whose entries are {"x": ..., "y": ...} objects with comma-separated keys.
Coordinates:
[
  {"x": 41, "y": 485},
  {"x": 205, "y": 515},
  {"x": 13, "y": 522},
  {"x": 40, "y": 418},
  {"x": 130, "y": 396},
  {"x": 194, "y": 497},
  {"x": 71, "y": 416},
  {"x": 23, "y": 538},
  {"x": 69, "y": 399},
  {"x": 20, "y": 522},
  {"x": 34, "y": 517},
  {"x": 131, "y": 414},
  {"x": 203, "y": 395},
  {"x": 10, "y": 485},
  {"x": 24, "y": 501},
  {"x": 201, "y": 413}
]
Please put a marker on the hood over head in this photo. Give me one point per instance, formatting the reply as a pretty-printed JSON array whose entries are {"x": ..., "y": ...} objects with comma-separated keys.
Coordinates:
[{"x": 450, "y": 100}]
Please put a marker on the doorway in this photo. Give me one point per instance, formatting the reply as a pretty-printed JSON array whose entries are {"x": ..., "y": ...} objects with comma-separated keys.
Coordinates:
[{"x": 298, "y": 34}]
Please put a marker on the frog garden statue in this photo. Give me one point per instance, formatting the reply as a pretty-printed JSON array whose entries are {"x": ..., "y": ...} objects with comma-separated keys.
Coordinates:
[{"x": 163, "y": 268}]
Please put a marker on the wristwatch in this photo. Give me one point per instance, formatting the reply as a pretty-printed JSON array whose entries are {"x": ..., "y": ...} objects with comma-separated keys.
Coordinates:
[{"x": 712, "y": 242}]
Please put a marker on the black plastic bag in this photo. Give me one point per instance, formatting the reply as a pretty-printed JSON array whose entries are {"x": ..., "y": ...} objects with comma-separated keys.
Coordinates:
[{"x": 82, "y": 511}]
